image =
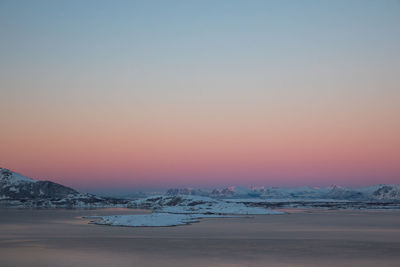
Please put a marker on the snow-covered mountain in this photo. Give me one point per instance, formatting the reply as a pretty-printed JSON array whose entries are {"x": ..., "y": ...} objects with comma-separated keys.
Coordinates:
[
  {"x": 187, "y": 204},
  {"x": 306, "y": 192},
  {"x": 19, "y": 190},
  {"x": 16, "y": 186},
  {"x": 372, "y": 193},
  {"x": 186, "y": 191},
  {"x": 386, "y": 193}
]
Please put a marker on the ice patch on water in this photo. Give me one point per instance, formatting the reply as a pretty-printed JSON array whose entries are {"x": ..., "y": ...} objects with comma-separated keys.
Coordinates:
[{"x": 152, "y": 220}]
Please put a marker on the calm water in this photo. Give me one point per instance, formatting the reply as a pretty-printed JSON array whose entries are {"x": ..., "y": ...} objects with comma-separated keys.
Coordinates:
[{"x": 302, "y": 237}]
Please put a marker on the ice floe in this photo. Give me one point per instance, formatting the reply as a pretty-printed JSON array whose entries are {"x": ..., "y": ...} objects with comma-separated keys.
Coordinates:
[
  {"x": 180, "y": 210},
  {"x": 151, "y": 220}
]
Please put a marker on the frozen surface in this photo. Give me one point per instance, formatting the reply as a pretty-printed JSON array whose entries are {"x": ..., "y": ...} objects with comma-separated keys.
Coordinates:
[
  {"x": 180, "y": 210},
  {"x": 152, "y": 220}
]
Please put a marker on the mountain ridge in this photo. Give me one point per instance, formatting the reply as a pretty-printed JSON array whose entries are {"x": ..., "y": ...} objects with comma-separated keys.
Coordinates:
[
  {"x": 380, "y": 192},
  {"x": 17, "y": 189}
]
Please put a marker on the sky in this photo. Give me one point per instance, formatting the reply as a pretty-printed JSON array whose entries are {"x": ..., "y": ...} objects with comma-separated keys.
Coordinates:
[{"x": 128, "y": 95}]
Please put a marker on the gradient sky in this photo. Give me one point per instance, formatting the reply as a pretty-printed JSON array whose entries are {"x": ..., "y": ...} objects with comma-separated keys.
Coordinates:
[{"x": 121, "y": 95}]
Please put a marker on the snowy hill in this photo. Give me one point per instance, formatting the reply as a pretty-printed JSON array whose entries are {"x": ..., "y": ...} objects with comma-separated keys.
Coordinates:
[
  {"x": 16, "y": 186},
  {"x": 19, "y": 190},
  {"x": 195, "y": 204},
  {"x": 339, "y": 192},
  {"x": 386, "y": 193}
]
